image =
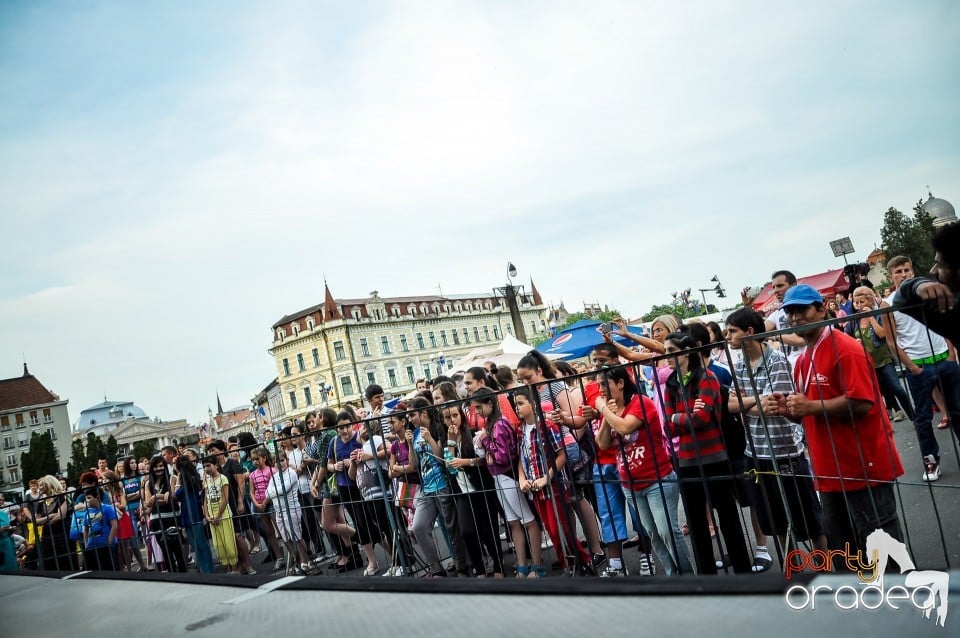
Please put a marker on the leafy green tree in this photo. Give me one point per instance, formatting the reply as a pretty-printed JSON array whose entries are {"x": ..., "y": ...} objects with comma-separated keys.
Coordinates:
[
  {"x": 671, "y": 309},
  {"x": 909, "y": 236},
  {"x": 40, "y": 459},
  {"x": 142, "y": 449},
  {"x": 77, "y": 462},
  {"x": 604, "y": 315},
  {"x": 95, "y": 451},
  {"x": 111, "y": 451}
]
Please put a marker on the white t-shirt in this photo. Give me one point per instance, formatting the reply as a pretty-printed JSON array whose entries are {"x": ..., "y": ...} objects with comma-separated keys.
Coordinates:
[
  {"x": 779, "y": 319},
  {"x": 914, "y": 338},
  {"x": 295, "y": 457}
]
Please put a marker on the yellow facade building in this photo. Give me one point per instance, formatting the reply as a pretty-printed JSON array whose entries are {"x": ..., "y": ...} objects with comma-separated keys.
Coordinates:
[{"x": 329, "y": 353}]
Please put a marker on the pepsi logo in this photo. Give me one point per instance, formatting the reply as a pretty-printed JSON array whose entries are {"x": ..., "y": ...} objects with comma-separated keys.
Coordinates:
[{"x": 562, "y": 339}]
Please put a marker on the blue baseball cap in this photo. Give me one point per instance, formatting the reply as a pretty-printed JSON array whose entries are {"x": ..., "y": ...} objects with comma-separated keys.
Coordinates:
[{"x": 801, "y": 295}]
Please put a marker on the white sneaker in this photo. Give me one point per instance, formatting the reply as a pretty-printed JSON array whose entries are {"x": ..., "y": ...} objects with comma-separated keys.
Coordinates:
[
  {"x": 647, "y": 566},
  {"x": 613, "y": 572},
  {"x": 546, "y": 542},
  {"x": 900, "y": 415},
  {"x": 931, "y": 469}
]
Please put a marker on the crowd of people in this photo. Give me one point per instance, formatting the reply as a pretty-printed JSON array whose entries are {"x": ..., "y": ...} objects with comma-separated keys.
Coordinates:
[{"x": 760, "y": 439}]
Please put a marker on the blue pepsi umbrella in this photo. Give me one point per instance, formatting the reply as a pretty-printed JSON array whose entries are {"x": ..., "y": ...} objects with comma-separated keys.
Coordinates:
[{"x": 578, "y": 339}]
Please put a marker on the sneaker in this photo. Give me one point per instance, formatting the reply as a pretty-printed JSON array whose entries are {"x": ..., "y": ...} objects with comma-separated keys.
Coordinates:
[
  {"x": 647, "y": 566},
  {"x": 899, "y": 415},
  {"x": 278, "y": 564},
  {"x": 931, "y": 469},
  {"x": 394, "y": 571},
  {"x": 761, "y": 563},
  {"x": 613, "y": 572},
  {"x": 546, "y": 543},
  {"x": 597, "y": 560}
]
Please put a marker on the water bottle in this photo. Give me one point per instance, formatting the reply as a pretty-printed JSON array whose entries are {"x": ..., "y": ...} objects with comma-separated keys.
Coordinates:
[{"x": 448, "y": 456}]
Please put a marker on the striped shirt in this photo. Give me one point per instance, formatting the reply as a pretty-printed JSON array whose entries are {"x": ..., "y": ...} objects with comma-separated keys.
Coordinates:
[{"x": 772, "y": 436}]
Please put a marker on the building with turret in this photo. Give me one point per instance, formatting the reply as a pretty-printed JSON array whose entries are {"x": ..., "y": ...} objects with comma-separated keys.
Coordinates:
[{"x": 329, "y": 353}]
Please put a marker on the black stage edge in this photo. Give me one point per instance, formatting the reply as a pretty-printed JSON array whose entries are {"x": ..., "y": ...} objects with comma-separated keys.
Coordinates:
[{"x": 726, "y": 585}]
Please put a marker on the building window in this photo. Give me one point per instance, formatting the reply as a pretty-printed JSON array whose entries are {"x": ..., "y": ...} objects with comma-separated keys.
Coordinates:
[
  {"x": 293, "y": 400},
  {"x": 371, "y": 378},
  {"x": 420, "y": 340},
  {"x": 19, "y": 419},
  {"x": 356, "y": 313},
  {"x": 300, "y": 365},
  {"x": 14, "y": 476},
  {"x": 427, "y": 372},
  {"x": 310, "y": 323},
  {"x": 338, "y": 352},
  {"x": 496, "y": 333},
  {"x": 307, "y": 399},
  {"x": 384, "y": 344},
  {"x": 47, "y": 417},
  {"x": 392, "y": 377},
  {"x": 11, "y": 460},
  {"x": 466, "y": 337},
  {"x": 509, "y": 329},
  {"x": 4, "y": 421},
  {"x": 404, "y": 346},
  {"x": 412, "y": 310},
  {"x": 476, "y": 334},
  {"x": 346, "y": 384},
  {"x": 396, "y": 311},
  {"x": 433, "y": 339},
  {"x": 364, "y": 347},
  {"x": 486, "y": 333},
  {"x": 280, "y": 334},
  {"x": 53, "y": 433},
  {"x": 443, "y": 337},
  {"x": 286, "y": 367},
  {"x": 316, "y": 357},
  {"x": 7, "y": 443},
  {"x": 411, "y": 375},
  {"x": 533, "y": 327},
  {"x": 34, "y": 419},
  {"x": 456, "y": 337},
  {"x": 296, "y": 330}
]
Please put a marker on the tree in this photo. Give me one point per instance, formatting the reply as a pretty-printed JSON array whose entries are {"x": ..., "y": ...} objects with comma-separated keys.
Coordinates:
[
  {"x": 95, "y": 451},
  {"x": 40, "y": 459},
  {"x": 604, "y": 315},
  {"x": 77, "y": 462},
  {"x": 670, "y": 309},
  {"x": 111, "y": 451},
  {"x": 903, "y": 235},
  {"x": 142, "y": 449}
]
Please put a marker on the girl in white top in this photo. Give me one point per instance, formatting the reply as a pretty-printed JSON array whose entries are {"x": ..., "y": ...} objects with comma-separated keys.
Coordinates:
[{"x": 283, "y": 491}]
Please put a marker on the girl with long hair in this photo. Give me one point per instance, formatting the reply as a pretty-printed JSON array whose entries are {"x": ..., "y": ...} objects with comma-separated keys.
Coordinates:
[
  {"x": 189, "y": 494},
  {"x": 498, "y": 442},
  {"x": 435, "y": 497},
  {"x": 131, "y": 478},
  {"x": 630, "y": 423},
  {"x": 692, "y": 408},
  {"x": 52, "y": 516},
  {"x": 259, "y": 479},
  {"x": 476, "y": 502},
  {"x": 332, "y": 518},
  {"x": 158, "y": 494},
  {"x": 561, "y": 405}
]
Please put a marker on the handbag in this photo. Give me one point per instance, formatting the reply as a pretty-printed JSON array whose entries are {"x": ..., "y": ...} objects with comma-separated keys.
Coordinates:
[
  {"x": 332, "y": 486},
  {"x": 365, "y": 477},
  {"x": 406, "y": 492}
]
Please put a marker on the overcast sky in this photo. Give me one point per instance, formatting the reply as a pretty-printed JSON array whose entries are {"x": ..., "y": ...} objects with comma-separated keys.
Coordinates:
[{"x": 176, "y": 176}]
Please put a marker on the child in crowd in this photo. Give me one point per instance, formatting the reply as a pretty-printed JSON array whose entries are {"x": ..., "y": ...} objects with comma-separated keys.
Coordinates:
[
  {"x": 216, "y": 506},
  {"x": 498, "y": 442},
  {"x": 283, "y": 492},
  {"x": 99, "y": 533},
  {"x": 540, "y": 475}
]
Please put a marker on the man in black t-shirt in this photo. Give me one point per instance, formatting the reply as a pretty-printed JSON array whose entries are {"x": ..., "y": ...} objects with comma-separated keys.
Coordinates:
[{"x": 237, "y": 477}]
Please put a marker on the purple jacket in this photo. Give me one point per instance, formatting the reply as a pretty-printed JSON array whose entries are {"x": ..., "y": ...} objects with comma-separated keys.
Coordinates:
[{"x": 501, "y": 449}]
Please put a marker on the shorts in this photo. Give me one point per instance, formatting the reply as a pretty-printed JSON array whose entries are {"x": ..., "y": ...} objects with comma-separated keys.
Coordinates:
[
  {"x": 801, "y": 498},
  {"x": 512, "y": 500}
]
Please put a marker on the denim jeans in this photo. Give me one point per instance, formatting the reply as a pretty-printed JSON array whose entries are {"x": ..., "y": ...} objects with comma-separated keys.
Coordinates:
[
  {"x": 610, "y": 505},
  {"x": 946, "y": 376},
  {"x": 658, "y": 514},
  {"x": 893, "y": 391},
  {"x": 201, "y": 548}
]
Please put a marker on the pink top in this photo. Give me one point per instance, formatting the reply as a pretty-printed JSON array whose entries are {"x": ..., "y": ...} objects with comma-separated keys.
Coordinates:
[{"x": 259, "y": 479}]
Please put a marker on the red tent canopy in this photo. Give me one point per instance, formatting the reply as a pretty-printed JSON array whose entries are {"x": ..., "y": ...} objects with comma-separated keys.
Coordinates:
[{"x": 828, "y": 283}]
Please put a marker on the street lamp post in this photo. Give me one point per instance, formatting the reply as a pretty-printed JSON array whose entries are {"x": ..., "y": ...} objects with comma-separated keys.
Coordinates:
[{"x": 510, "y": 294}]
